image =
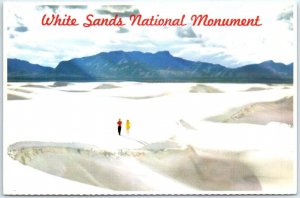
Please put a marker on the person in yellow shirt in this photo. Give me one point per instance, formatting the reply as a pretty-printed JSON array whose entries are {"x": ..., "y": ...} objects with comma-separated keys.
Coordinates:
[{"x": 127, "y": 126}]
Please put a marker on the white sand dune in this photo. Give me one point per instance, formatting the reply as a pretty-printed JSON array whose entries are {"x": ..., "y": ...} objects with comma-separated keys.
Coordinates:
[
  {"x": 260, "y": 113},
  {"x": 76, "y": 91},
  {"x": 257, "y": 89},
  {"x": 128, "y": 170},
  {"x": 106, "y": 86},
  {"x": 171, "y": 147},
  {"x": 186, "y": 125},
  {"x": 18, "y": 93},
  {"x": 11, "y": 96},
  {"x": 20, "y": 90},
  {"x": 142, "y": 97},
  {"x": 60, "y": 84},
  {"x": 202, "y": 88},
  {"x": 33, "y": 85}
]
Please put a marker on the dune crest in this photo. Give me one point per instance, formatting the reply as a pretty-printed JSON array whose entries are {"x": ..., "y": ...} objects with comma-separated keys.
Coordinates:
[
  {"x": 259, "y": 113},
  {"x": 30, "y": 85},
  {"x": 106, "y": 86},
  {"x": 202, "y": 88},
  {"x": 101, "y": 168},
  {"x": 257, "y": 89}
]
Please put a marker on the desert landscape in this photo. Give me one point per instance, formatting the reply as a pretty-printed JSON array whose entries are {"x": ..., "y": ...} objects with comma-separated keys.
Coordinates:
[{"x": 186, "y": 138}]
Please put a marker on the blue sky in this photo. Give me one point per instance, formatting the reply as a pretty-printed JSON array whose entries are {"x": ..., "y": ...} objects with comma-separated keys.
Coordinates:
[{"x": 275, "y": 40}]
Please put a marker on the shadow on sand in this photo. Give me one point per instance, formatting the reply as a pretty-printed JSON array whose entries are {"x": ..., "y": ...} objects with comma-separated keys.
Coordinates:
[{"x": 128, "y": 170}]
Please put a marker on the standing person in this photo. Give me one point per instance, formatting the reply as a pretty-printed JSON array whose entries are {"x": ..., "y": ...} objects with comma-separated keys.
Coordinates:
[
  {"x": 127, "y": 126},
  {"x": 119, "y": 126}
]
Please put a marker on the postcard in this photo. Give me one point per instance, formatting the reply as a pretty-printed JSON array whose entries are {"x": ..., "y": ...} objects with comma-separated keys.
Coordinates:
[{"x": 150, "y": 98}]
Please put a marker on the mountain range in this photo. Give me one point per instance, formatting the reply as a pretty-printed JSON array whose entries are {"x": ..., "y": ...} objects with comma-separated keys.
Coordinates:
[{"x": 147, "y": 67}]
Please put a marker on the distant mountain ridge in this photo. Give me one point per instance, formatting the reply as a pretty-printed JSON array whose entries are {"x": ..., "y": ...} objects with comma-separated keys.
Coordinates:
[
  {"x": 144, "y": 67},
  {"x": 19, "y": 70}
]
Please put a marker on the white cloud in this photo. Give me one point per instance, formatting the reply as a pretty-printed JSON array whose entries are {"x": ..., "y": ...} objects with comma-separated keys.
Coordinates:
[{"x": 229, "y": 46}]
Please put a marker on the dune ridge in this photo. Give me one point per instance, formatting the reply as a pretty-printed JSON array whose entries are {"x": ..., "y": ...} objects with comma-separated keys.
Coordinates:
[
  {"x": 202, "y": 88},
  {"x": 259, "y": 113},
  {"x": 106, "y": 86},
  {"x": 257, "y": 89},
  {"x": 30, "y": 85},
  {"x": 93, "y": 166}
]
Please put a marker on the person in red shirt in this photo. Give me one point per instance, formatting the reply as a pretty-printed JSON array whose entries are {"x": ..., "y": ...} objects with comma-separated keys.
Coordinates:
[{"x": 119, "y": 126}]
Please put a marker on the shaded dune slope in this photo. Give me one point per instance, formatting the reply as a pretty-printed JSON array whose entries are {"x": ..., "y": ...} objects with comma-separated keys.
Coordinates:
[
  {"x": 136, "y": 170},
  {"x": 257, "y": 89},
  {"x": 15, "y": 97},
  {"x": 106, "y": 86},
  {"x": 201, "y": 88},
  {"x": 15, "y": 93},
  {"x": 259, "y": 113},
  {"x": 202, "y": 172}
]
